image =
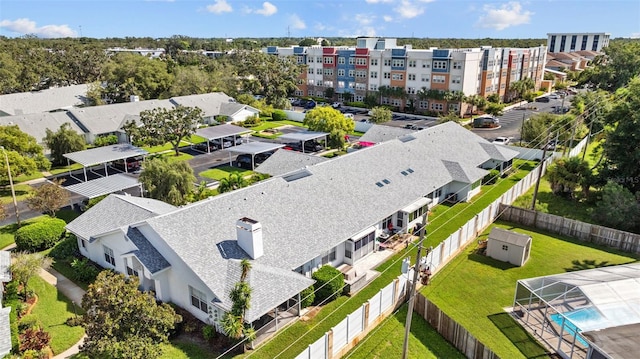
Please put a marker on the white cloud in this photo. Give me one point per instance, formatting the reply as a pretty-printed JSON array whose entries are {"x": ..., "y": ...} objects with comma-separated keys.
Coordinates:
[
  {"x": 268, "y": 9},
  {"x": 25, "y": 26},
  {"x": 635, "y": 35},
  {"x": 387, "y": 18},
  {"x": 378, "y": 1},
  {"x": 320, "y": 27},
  {"x": 296, "y": 22},
  {"x": 409, "y": 9},
  {"x": 219, "y": 7},
  {"x": 507, "y": 15},
  {"x": 364, "y": 19}
]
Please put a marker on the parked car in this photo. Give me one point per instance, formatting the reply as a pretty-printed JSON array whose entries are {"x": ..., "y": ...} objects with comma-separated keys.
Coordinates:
[
  {"x": 501, "y": 140},
  {"x": 542, "y": 99},
  {"x": 203, "y": 147},
  {"x": 261, "y": 157},
  {"x": 336, "y": 105},
  {"x": 486, "y": 122},
  {"x": 309, "y": 146},
  {"x": 309, "y": 105},
  {"x": 551, "y": 145},
  {"x": 218, "y": 143},
  {"x": 243, "y": 161},
  {"x": 132, "y": 164},
  {"x": 349, "y": 115},
  {"x": 234, "y": 141}
]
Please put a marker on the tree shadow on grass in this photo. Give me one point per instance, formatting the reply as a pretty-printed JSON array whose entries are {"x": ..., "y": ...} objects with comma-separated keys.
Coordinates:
[
  {"x": 517, "y": 335},
  {"x": 586, "y": 264}
]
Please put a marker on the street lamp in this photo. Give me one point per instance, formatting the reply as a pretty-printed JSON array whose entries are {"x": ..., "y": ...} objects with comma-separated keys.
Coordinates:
[{"x": 13, "y": 192}]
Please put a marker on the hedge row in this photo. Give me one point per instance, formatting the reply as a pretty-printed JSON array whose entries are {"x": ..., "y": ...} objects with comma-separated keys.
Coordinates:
[{"x": 40, "y": 235}]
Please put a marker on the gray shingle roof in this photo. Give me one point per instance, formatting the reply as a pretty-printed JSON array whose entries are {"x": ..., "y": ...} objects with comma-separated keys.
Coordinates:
[
  {"x": 209, "y": 103},
  {"x": 115, "y": 212},
  {"x": 464, "y": 175},
  {"x": 109, "y": 118},
  {"x": 146, "y": 253},
  {"x": 498, "y": 152},
  {"x": 283, "y": 161},
  {"x": 231, "y": 108},
  {"x": 44, "y": 100},
  {"x": 305, "y": 217},
  {"x": 36, "y": 124},
  {"x": 5, "y": 331},
  {"x": 5, "y": 267},
  {"x": 381, "y": 133}
]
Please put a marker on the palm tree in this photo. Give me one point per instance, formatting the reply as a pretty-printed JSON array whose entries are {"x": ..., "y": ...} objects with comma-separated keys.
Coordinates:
[
  {"x": 234, "y": 181},
  {"x": 233, "y": 322}
]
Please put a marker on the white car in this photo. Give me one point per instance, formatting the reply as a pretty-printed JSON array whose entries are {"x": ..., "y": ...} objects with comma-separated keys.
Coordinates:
[
  {"x": 336, "y": 105},
  {"x": 501, "y": 141}
]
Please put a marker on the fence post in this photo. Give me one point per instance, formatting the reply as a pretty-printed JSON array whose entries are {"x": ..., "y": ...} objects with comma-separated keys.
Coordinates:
[
  {"x": 365, "y": 316},
  {"x": 329, "y": 343}
]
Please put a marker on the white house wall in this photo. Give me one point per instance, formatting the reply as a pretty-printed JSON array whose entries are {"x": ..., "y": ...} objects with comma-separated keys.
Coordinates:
[
  {"x": 117, "y": 243},
  {"x": 242, "y": 115}
]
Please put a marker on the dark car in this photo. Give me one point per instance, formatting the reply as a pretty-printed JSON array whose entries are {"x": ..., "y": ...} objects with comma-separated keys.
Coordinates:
[
  {"x": 132, "y": 164},
  {"x": 261, "y": 157},
  {"x": 309, "y": 146},
  {"x": 542, "y": 99},
  {"x": 244, "y": 161},
  {"x": 309, "y": 105}
]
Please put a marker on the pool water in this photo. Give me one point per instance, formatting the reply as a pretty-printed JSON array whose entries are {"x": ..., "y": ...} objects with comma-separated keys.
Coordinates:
[{"x": 577, "y": 316}]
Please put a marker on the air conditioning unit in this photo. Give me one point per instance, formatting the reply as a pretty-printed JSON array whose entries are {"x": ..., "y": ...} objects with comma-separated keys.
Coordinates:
[{"x": 350, "y": 275}]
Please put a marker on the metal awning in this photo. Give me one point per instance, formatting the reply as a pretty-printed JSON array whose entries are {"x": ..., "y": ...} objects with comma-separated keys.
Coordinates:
[
  {"x": 220, "y": 131},
  {"x": 303, "y": 136},
  {"x": 417, "y": 204},
  {"x": 105, "y": 185},
  {"x": 254, "y": 148},
  {"x": 96, "y": 156},
  {"x": 363, "y": 233}
]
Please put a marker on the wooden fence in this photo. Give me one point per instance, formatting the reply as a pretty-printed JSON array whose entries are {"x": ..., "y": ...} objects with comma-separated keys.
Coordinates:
[
  {"x": 453, "y": 332},
  {"x": 587, "y": 232}
]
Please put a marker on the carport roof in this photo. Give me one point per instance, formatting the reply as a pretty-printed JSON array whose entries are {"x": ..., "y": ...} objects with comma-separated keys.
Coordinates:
[
  {"x": 104, "y": 185},
  {"x": 220, "y": 131},
  {"x": 303, "y": 136},
  {"x": 255, "y": 147},
  {"x": 105, "y": 154}
]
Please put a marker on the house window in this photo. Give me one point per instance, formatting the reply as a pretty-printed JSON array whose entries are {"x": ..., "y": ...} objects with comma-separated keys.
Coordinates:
[
  {"x": 108, "y": 256},
  {"x": 329, "y": 256},
  {"x": 455, "y": 80},
  {"x": 351, "y": 73},
  {"x": 457, "y": 65},
  {"x": 132, "y": 272},
  {"x": 361, "y": 61},
  {"x": 438, "y": 79},
  {"x": 411, "y": 77},
  {"x": 423, "y": 105},
  {"x": 328, "y": 60},
  {"x": 82, "y": 242},
  {"x": 397, "y": 77},
  {"x": 318, "y": 71},
  {"x": 387, "y": 222},
  {"x": 374, "y": 74},
  {"x": 442, "y": 65},
  {"x": 340, "y": 72},
  {"x": 341, "y": 60},
  {"x": 418, "y": 212},
  {"x": 387, "y": 62},
  {"x": 352, "y": 60},
  {"x": 373, "y": 87},
  {"x": 505, "y": 247},
  {"x": 387, "y": 75},
  {"x": 198, "y": 299},
  {"x": 374, "y": 62},
  {"x": 328, "y": 72},
  {"x": 397, "y": 63},
  {"x": 476, "y": 184},
  {"x": 412, "y": 63},
  {"x": 437, "y": 106},
  {"x": 400, "y": 220}
]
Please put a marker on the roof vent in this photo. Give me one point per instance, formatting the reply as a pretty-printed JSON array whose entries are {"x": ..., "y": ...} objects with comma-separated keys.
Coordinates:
[
  {"x": 379, "y": 184},
  {"x": 386, "y": 181},
  {"x": 297, "y": 175}
]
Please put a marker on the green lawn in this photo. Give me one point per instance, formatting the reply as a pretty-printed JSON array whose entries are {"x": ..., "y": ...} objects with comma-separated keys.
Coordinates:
[
  {"x": 52, "y": 310},
  {"x": 63, "y": 169},
  {"x": 195, "y": 139},
  {"x": 22, "y": 192},
  {"x": 265, "y": 125},
  {"x": 292, "y": 123},
  {"x": 28, "y": 177},
  {"x": 221, "y": 172},
  {"x": 491, "y": 284},
  {"x": 181, "y": 349},
  {"x": 387, "y": 340},
  {"x": 442, "y": 224},
  {"x": 547, "y": 202},
  {"x": 171, "y": 156},
  {"x": 7, "y": 231}
]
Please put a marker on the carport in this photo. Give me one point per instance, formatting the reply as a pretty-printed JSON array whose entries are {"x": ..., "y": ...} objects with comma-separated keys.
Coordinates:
[
  {"x": 219, "y": 132},
  {"x": 254, "y": 148},
  {"x": 105, "y": 185},
  {"x": 103, "y": 155},
  {"x": 304, "y": 137}
]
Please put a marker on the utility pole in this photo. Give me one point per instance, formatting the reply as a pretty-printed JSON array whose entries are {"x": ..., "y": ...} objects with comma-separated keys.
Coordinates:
[
  {"x": 412, "y": 291},
  {"x": 535, "y": 191},
  {"x": 584, "y": 153},
  {"x": 13, "y": 192},
  {"x": 522, "y": 130}
]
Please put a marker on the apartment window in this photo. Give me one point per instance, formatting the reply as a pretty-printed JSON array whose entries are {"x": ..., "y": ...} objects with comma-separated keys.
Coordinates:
[
  {"x": 426, "y": 65},
  {"x": 456, "y": 80},
  {"x": 397, "y": 77},
  {"x": 563, "y": 42},
  {"x": 351, "y": 84},
  {"x": 359, "y": 98},
  {"x": 341, "y": 60},
  {"x": 351, "y": 73},
  {"x": 387, "y": 62},
  {"x": 385, "y": 101},
  {"x": 352, "y": 60},
  {"x": 299, "y": 81},
  {"x": 574, "y": 39},
  {"x": 386, "y": 75},
  {"x": 454, "y": 107},
  {"x": 320, "y": 93},
  {"x": 424, "y": 78},
  {"x": 397, "y": 63},
  {"x": 504, "y": 73},
  {"x": 503, "y": 86},
  {"x": 441, "y": 65},
  {"x": 340, "y": 72},
  {"x": 198, "y": 299},
  {"x": 298, "y": 93},
  {"x": 108, "y": 256},
  {"x": 319, "y": 83},
  {"x": 489, "y": 75},
  {"x": 310, "y": 71},
  {"x": 328, "y": 60},
  {"x": 310, "y": 59},
  {"x": 318, "y": 71},
  {"x": 361, "y": 86},
  {"x": 373, "y": 87},
  {"x": 361, "y": 74},
  {"x": 457, "y": 65},
  {"x": 412, "y": 63},
  {"x": 513, "y": 73},
  {"x": 411, "y": 77},
  {"x": 584, "y": 42},
  {"x": 374, "y": 62},
  {"x": 596, "y": 38},
  {"x": 341, "y": 84},
  {"x": 328, "y": 72},
  {"x": 361, "y": 61},
  {"x": 374, "y": 74},
  {"x": 489, "y": 63},
  {"x": 423, "y": 105},
  {"x": 319, "y": 59},
  {"x": 411, "y": 90},
  {"x": 438, "y": 79},
  {"x": 328, "y": 84},
  {"x": 437, "y": 106},
  {"x": 488, "y": 89},
  {"x": 310, "y": 82},
  {"x": 300, "y": 59}
]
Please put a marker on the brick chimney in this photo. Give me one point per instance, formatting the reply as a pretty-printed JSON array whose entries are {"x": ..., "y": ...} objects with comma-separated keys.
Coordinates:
[{"x": 249, "y": 235}]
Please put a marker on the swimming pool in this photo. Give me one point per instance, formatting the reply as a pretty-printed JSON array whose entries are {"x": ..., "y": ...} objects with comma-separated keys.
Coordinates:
[{"x": 574, "y": 319}]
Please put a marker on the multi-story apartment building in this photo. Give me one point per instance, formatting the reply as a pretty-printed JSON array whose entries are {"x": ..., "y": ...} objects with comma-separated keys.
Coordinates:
[
  {"x": 570, "y": 42},
  {"x": 401, "y": 75}
]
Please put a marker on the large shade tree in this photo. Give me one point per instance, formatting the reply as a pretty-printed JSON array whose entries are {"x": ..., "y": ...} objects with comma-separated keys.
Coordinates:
[
  {"x": 131, "y": 74},
  {"x": 123, "y": 322},
  {"x": 64, "y": 140},
  {"x": 162, "y": 125},
  {"x": 332, "y": 121},
  {"x": 48, "y": 198},
  {"x": 25, "y": 155},
  {"x": 171, "y": 182},
  {"x": 380, "y": 115},
  {"x": 613, "y": 70}
]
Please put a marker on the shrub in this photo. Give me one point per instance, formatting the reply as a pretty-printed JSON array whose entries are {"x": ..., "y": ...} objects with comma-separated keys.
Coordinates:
[
  {"x": 93, "y": 201},
  {"x": 73, "y": 321},
  {"x": 329, "y": 283},
  {"x": 279, "y": 115},
  {"x": 84, "y": 270},
  {"x": 29, "y": 321},
  {"x": 307, "y": 297},
  {"x": 209, "y": 332},
  {"x": 11, "y": 290},
  {"x": 492, "y": 177},
  {"x": 34, "y": 339},
  {"x": 105, "y": 140},
  {"x": 40, "y": 235},
  {"x": 65, "y": 249}
]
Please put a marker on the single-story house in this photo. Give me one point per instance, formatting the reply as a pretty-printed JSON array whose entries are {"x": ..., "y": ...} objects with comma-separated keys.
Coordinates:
[
  {"x": 287, "y": 226},
  {"x": 509, "y": 246},
  {"x": 5, "y": 328},
  {"x": 217, "y": 107},
  {"x": 51, "y": 99}
]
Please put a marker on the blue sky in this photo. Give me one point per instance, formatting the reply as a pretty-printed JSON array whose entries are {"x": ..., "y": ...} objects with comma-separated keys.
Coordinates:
[{"x": 309, "y": 18}]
